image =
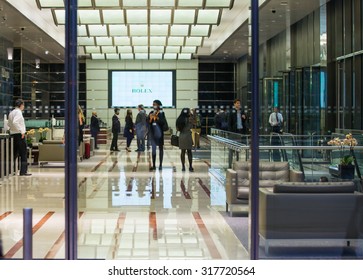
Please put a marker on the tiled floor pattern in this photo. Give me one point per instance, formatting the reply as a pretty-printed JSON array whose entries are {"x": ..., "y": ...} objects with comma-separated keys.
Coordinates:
[{"x": 125, "y": 211}]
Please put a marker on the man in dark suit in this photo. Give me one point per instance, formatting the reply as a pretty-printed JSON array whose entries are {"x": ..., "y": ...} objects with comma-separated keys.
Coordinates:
[
  {"x": 116, "y": 129},
  {"x": 237, "y": 119}
]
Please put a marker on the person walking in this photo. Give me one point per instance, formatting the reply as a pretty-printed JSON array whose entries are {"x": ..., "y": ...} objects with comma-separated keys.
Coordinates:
[
  {"x": 184, "y": 123},
  {"x": 129, "y": 129},
  {"x": 17, "y": 129},
  {"x": 81, "y": 124},
  {"x": 141, "y": 128},
  {"x": 157, "y": 125},
  {"x": 95, "y": 127},
  {"x": 116, "y": 129}
]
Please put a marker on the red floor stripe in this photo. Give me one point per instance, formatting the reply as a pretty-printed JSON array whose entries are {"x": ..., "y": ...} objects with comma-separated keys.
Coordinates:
[
  {"x": 19, "y": 244},
  {"x": 3, "y": 216},
  {"x": 213, "y": 250},
  {"x": 153, "y": 225},
  {"x": 204, "y": 187}
]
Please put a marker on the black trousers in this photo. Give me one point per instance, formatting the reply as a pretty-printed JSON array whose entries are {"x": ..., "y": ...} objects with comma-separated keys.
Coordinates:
[
  {"x": 20, "y": 151},
  {"x": 114, "y": 141}
]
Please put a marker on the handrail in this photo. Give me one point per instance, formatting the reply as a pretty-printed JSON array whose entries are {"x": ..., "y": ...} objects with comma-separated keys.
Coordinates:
[{"x": 262, "y": 147}]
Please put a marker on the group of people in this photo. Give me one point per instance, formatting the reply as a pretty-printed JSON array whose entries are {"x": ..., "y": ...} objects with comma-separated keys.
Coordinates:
[
  {"x": 237, "y": 121},
  {"x": 151, "y": 127}
]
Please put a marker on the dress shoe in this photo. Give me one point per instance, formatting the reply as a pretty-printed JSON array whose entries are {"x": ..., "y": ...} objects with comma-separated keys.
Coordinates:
[
  {"x": 152, "y": 168},
  {"x": 127, "y": 149},
  {"x": 191, "y": 169},
  {"x": 160, "y": 168},
  {"x": 183, "y": 169},
  {"x": 117, "y": 150},
  {"x": 26, "y": 174}
]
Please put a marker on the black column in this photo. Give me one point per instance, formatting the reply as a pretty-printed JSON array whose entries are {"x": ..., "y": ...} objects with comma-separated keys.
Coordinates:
[
  {"x": 254, "y": 201},
  {"x": 71, "y": 211}
]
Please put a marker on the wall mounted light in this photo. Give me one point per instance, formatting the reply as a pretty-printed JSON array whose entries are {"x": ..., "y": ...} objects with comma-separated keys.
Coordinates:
[
  {"x": 10, "y": 53},
  {"x": 37, "y": 63}
]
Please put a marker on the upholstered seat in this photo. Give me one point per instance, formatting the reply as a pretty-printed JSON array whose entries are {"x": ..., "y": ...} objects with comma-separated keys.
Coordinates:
[{"x": 270, "y": 173}]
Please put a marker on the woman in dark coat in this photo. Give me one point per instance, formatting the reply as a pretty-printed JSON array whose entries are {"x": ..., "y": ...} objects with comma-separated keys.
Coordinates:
[
  {"x": 129, "y": 129},
  {"x": 184, "y": 123},
  {"x": 157, "y": 126}
]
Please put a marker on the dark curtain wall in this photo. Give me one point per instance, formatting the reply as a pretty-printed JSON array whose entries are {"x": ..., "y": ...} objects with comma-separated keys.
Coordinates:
[{"x": 345, "y": 62}]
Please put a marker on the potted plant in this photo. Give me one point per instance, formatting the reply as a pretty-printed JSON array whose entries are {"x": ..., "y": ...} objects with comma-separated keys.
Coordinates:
[
  {"x": 43, "y": 134},
  {"x": 346, "y": 164},
  {"x": 29, "y": 137}
]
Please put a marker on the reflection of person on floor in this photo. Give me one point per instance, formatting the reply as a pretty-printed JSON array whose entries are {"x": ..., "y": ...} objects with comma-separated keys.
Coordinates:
[{"x": 276, "y": 121}]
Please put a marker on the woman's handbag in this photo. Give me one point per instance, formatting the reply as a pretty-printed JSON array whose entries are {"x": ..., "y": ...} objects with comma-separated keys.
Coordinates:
[{"x": 174, "y": 140}]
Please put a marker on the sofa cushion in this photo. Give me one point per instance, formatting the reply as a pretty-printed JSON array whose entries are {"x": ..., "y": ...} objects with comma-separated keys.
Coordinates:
[{"x": 315, "y": 187}]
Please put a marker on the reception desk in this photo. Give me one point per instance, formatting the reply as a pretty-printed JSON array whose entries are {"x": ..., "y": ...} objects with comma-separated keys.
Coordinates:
[
  {"x": 6, "y": 156},
  {"x": 102, "y": 135}
]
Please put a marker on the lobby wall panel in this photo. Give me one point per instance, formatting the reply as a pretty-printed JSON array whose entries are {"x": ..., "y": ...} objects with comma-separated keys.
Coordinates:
[{"x": 97, "y": 75}]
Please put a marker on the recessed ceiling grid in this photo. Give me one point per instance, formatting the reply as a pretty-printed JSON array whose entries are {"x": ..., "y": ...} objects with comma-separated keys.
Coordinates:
[{"x": 142, "y": 29}]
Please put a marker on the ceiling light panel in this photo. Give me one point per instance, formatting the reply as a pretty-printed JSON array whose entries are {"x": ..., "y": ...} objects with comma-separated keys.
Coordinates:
[
  {"x": 219, "y": 3},
  {"x": 141, "y": 49},
  {"x": 170, "y": 56},
  {"x": 162, "y": 3},
  {"x": 184, "y": 16},
  {"x": 113, "y": 16},
  {"x": 108, "y": 49},
  {"x": 104, "y": 41},
  {"x": 200, "y": 30},
  {"x": 97, "y": 30},
  {"x": 127, "y": 56},
  {"x": 89, "y": 17},
  {"x": 97, "y": 56},
  {"x": 85, "y": 3},
  {"x": 188, "y": 50},
  {"x": 125, "y": 49},
  {"x": 82, "y": 30},
  {"x": 185, "y": 56},
  {"x": 176, "y": 41},
  {"x": 51, "y": 3},
  {"x": 159, "y": 30},
  {"x": 59, "y": 17},
  {"x": 108, "y": 3},
  {"x": 112, "y": 56},
  {"x": 138, "y": 30},
  {"x": 122, "y": 41},
  {"x": 160, "y": 16},
  {"x": 157, "y": 49},
  {"x": 134, "y": 3},
  {"x": 92, "y": 49},
  {"x": 179, "y": 30},
  {"x": 193, "y": 41},
  {"x": 86, "y": 41},
  {"x": 141, "y": 55},
  {"x": 172, "y": 49},
  {"x": 136, "y": 16},
  {"x": 155, "y": 56},
  {"x": 190, "y": 3},
  {"x": 118, "y": 30},
  {"x": 158, "y": 41},
  {"x": 208, "y": 16},
  {"x": 140, "y": 41}
]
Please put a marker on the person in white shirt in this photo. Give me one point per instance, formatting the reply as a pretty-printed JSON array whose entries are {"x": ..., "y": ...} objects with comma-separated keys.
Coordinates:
[
  {"x": 276, "y": 120},
  {"x": 17, "y": 129}
]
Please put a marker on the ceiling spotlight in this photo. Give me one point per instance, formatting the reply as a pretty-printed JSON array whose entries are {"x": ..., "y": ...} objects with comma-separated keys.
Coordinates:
[{"x": 46, "y": 52}]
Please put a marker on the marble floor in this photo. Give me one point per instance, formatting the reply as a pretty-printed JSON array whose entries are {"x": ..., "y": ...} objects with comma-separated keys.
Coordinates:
[{"x": 125, "y": 211}]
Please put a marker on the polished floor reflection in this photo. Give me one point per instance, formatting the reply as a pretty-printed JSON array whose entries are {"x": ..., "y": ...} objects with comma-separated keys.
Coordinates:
[{"x": 125, "y": 211}]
